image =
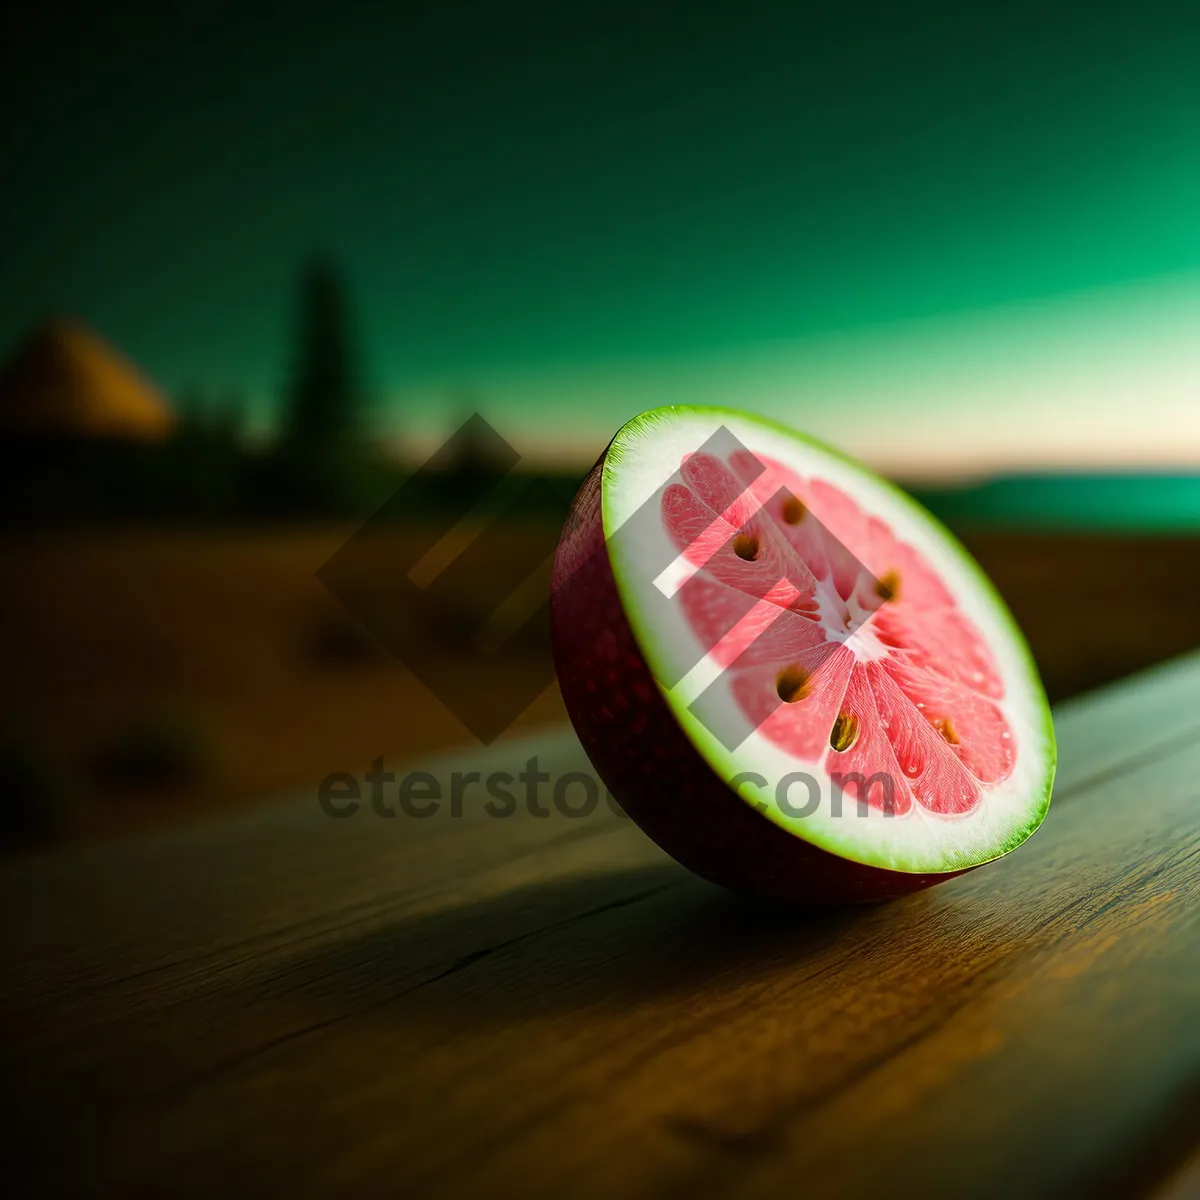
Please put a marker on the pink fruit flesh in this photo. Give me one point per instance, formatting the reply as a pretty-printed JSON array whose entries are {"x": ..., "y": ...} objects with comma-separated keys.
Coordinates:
[{"x": 884, "y": 647}]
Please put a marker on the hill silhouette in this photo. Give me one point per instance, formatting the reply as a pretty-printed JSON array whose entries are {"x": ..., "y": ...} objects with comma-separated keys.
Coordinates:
[{"x": 64, "y": 381}]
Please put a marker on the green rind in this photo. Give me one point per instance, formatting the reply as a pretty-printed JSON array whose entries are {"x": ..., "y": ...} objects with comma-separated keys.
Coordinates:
[{"x": 716, "y": 755}]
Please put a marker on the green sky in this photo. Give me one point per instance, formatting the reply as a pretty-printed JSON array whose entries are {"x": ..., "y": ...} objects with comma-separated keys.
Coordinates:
[{"x": 569, "y": 192}]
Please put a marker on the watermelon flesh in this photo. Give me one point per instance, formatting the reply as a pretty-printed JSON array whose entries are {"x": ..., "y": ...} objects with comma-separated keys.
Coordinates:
[
  {"x": 788, "y": 673},
  {"x": 885, "y": 649}
]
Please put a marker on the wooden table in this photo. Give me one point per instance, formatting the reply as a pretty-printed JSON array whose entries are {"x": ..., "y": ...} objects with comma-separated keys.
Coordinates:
[{"x": 287, "y": 1003}]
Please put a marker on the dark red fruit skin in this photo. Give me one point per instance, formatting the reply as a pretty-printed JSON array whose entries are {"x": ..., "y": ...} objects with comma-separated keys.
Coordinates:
[{"x": 646, "y": 760}]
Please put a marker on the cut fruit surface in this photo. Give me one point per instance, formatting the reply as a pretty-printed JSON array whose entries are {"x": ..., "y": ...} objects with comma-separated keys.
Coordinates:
[{"x": 810, "y": 643}]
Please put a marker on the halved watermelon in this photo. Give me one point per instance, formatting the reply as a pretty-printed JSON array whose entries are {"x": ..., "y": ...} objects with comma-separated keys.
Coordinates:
[{"x": 793, "y": 678}]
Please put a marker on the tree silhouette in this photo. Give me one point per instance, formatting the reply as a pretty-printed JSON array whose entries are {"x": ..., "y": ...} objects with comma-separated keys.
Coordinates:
[{"x": 323, "y": 402}]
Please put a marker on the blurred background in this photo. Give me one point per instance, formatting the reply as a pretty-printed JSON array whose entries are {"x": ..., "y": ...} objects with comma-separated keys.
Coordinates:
[{"x": 259, "y": 262}]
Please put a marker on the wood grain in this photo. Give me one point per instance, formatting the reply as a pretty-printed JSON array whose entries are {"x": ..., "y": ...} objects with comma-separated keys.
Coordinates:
[{"x": 549, "y": 1006}]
